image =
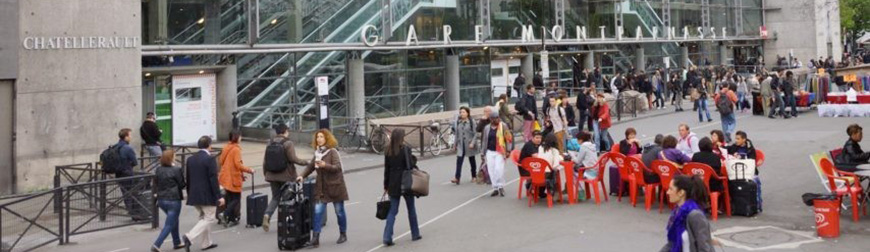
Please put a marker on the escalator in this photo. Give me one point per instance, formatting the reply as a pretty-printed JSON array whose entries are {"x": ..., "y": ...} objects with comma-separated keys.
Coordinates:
[
  {"x": 264, "y": 98},
  {"x": 641, "y": 13}
]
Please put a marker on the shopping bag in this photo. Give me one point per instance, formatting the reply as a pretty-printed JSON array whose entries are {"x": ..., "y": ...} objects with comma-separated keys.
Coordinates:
[
  {"x": 742, "y": 169},
  {"x": 537, "y": 126},
  {"x": 383, "y": 207}
]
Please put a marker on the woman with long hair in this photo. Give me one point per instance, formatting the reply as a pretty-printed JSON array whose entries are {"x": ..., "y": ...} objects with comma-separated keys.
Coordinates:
[
  {"x": 465, "y": 138},
  {"x": 702, "y": 101},
  {"x": 231, "y": 178},
  {"x": 168, "y": 182},
  {"x": 719, "y": 144},
  {"x": 688, "y": 228},
  {"x": 397, "y": 159},
  {"x": 329, "y": 186}
]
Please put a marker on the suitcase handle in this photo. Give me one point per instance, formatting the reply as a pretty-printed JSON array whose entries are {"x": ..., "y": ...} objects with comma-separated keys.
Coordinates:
[
  {"x": 252, "y": 183},
  {"x": 742, "y": 171}
]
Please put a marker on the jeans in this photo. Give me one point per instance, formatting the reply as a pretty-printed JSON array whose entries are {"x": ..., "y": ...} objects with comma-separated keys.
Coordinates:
[
  {"x": 790, "y": 98},
  {"x": 154, "y": 150},
  {"x": 596, "y": 135},
  {"x": 741, "y": 97},
  {"x": 660, "y": 100},
  {"x": 606, "y": 140},
  {"x": 234, "y": 206},
  {"x": 277, "y": 194},
  {"x": 320, "y": 210},
  {"x": 172, "y": 208},
  {"x": 777, "y": 102},
  {"x": 729, "y": 123},
  {"x": 702, "y": 108},
  {"x": 391, "y": 217},
  {"x": 459, "y": 160}
]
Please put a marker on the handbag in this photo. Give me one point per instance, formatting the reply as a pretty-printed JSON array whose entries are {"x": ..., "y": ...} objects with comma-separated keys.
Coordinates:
[
  {"x": 383, "y": 207},
  {"x": 414, "y": 181},
  {"x": 694, "y": 94},
  {"x": 537, "y": 126}
]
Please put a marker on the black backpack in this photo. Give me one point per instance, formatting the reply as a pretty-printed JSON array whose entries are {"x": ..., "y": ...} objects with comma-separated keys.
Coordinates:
[
  {"x": 275, "y": 159},
  {"x": 724, "y": 104},
  {"x": 110, "y": 159}
]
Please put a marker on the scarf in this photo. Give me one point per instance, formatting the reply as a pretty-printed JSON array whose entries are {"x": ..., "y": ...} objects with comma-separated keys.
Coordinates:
[
  {"x": 501, "y": 140},
  {"x": 677, "y": 224}
]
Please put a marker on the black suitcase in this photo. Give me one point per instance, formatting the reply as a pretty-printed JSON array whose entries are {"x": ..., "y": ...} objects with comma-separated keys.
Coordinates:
[
  {"x": 308, "y": 190},
  {"x": 255, "y": 207},
  {"x": 294, "y": 219},
  {"x": 744, "y": 196}
]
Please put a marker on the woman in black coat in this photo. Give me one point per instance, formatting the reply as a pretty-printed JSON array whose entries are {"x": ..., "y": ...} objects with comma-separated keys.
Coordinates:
[
  {"x": 397, "y": 159},
  {"x": 708, "y": 157}
]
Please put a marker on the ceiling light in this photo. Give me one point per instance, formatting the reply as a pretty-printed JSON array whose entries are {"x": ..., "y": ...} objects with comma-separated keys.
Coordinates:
[
  {"x": 147, "y": 74},
  {"x": 200, "y": 21},
  {"x": 201, "y": 71},
  {"x": 485, "y": 47},
  {"x": 274, "y": 21}
]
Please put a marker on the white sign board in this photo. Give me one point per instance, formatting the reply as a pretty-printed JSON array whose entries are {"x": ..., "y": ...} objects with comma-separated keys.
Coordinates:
[
  {"x": 545, "y": 68},
  {"x": 322, "y": 85},
  {"x": 667, "y": 62},
  {"x": 194, "y": 108}
]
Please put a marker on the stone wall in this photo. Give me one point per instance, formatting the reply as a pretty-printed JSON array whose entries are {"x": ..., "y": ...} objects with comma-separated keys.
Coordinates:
[{"x": 71, "y": 103}]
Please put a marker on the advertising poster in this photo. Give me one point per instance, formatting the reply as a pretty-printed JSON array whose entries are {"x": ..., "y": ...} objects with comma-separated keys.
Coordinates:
[{"x": 193, "y": 108}]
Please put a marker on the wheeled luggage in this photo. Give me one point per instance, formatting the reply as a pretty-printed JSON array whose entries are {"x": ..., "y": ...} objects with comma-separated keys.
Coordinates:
[
  {"x": 255, "y": 207},
  {"x": 294, "y": 218}
]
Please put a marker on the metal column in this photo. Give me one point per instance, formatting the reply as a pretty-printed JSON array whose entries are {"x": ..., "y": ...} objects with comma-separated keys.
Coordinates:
[
  {"x": 452, "y": 82},
  {"x": 640, "y": 58},
  {"x": 666, "y": 14},
  {"x": 356, "y": 97},
  {"x": 386, "y": 20},
  {"x": 589, "y": 61},
  {"x": 485, "y": 18},
  {"x": 528, "y": 68},
  {"x": 738, "y": 17},
  {"x": 559, "y": 5},
  {"x": 723, "y": 53},
  {"x": 684, "y": 55}
]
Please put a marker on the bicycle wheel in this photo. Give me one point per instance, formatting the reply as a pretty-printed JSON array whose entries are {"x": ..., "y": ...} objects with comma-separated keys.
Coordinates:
[
  {"x": 353, "y": 143},
  {"x": 378, "y": 140},
  {"x": 436, "y": 145}
]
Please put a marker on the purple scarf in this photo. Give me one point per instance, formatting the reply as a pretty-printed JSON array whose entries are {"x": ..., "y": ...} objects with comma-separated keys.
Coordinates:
[{"x": 677, "y": 224}]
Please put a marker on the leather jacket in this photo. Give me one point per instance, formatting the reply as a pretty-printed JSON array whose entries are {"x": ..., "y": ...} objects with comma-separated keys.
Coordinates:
[
  {"x": 169, "y": 182},
  {"x": 852, "y": 154}
]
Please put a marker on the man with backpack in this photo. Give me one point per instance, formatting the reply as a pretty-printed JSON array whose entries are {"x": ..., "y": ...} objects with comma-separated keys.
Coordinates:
[
  {"x": 119, "y": 159},
  {"x": 776, "y": 91},
  {"x": 725, "y": 100},
  {"x": 279, "y": 168}
]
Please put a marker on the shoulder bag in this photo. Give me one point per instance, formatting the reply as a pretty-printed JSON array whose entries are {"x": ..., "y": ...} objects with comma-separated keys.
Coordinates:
[{"x": 414, "y": 181}]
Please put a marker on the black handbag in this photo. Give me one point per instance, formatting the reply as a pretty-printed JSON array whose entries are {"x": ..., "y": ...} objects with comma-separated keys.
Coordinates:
[{"x": 383, "y": 207}]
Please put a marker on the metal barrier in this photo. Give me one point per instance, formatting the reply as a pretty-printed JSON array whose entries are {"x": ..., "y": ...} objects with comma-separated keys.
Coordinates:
[{"x": 26, "y": 225}]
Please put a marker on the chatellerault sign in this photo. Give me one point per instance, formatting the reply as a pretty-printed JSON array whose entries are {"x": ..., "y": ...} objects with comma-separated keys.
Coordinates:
[
  {"x": 557, "y": 34},
  {"x": 88, "y": 42}
]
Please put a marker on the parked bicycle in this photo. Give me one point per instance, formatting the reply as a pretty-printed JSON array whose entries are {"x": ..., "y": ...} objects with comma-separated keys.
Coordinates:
[
  {"x": 353, "y": 141},
  {"x": 440, "y": 139}
]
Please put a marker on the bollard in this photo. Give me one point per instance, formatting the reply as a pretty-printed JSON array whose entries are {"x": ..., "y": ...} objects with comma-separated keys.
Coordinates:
[{"x": 58, "y": 197}]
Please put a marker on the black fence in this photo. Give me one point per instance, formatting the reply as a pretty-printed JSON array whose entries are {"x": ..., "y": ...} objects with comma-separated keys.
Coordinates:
[{"x": 57, "y": 214}]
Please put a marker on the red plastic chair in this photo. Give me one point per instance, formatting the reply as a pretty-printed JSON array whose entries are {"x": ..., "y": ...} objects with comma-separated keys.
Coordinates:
[
  {"x": 666, "y": 171},
  {"x": 759, "y": 158},
  {"x": 624, "y": 173},
  {"x": 515, "y": 157},
  {"x": 538, "y": 172},
  {"x": 707, "y": 173},
  {"x": 637, "y": 169},
  {"x": 615, "y": 148},
  {"x": 853, "y": 189},
  {"x": 568, "y": 169},
  {"x": 596, "y": 181}
]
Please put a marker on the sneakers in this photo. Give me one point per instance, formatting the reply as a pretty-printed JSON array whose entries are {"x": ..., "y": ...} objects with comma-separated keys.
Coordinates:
[
  {"x": 501, "y": 192},
  {"x": 494, "y": 193},
  {"x": 266, "y": 223}
]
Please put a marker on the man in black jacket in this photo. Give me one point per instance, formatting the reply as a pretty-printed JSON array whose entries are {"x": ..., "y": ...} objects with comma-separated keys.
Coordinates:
[
  {"x": 519, "y": 82},
  {"x": 151, "y": 133},
  {"x": 530, "y": 148},
  {"x": 203, "y": 193},
  {"x": 527, "y": 107},
  {"x": 852, "y": 155}
]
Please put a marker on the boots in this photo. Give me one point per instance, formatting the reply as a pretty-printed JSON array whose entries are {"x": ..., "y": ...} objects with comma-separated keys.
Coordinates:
[
  {"x": 342, "y": 238},
  {"x": 315, "y": 240}
]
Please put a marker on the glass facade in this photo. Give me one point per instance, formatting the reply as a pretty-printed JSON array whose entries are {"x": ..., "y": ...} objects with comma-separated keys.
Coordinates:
[{"x": 279, "y": 87}]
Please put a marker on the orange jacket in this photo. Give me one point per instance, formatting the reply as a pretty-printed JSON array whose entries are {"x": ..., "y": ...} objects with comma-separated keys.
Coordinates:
[{"x": 230, "y": 176}]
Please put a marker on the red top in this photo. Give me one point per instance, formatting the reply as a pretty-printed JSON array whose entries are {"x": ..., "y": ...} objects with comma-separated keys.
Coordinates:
[{"x": 604, "y": 115}]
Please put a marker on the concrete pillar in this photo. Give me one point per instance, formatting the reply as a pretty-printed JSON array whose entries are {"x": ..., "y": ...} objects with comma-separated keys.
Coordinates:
[
  {"x": 589, "y": 61},
  {"x": 294, "y": 23},
  {"x": 212, "y": 22},
  {"x": 452, "y": 82},
  {"x": 684, "y": 56},
  {"x": 356, "y": 95},
  {"x": 528, "y": 68},
  {"x": 640, "y": 59},
  {"x": 157, "y": 23},
  {"x": 723, "y": 54}
]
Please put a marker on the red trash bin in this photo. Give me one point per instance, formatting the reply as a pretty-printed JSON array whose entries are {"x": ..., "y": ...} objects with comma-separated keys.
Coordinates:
[{"x": 827, "y": 217}]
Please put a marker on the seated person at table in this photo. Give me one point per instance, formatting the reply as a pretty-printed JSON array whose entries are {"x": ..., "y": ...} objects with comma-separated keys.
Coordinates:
[
  {"x": 549, "y": 151},
  {"x": 671, "y": 153},
  {"x": 630, "y": 145},
  {"x": 587, "y": 156},
  {"x": 718, "y": 139},
  {"x": 530, "y": 148},
  {"x": 742, "y": 147},
  {"x": 649, "y": 154},
  {"x": 708, "y": 157},
  {"x": 852, "y": 155}
]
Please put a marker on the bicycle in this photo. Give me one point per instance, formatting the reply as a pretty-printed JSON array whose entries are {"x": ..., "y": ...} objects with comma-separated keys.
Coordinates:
[
  {"x": 379, "y": 138},
  {"x": 352, "y": 141},
  {"x": 439, "y": 140}
]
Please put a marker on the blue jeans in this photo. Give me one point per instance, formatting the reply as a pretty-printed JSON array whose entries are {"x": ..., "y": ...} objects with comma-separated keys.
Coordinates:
[
  {"x": 741, "y": 97},
  {"x": 790, "y": 99},
  {"x": 172, "y": 208},
  {"x": 459, "y": 161},
  {"x": 606, "y": 140},
  {"x": 320, "y": 210},
  {"x": 729, "y": 123},
  {"x": 391, "y": 217},
  {"x": 596, "y": 135},
  {"x": 702, "y": 108}
]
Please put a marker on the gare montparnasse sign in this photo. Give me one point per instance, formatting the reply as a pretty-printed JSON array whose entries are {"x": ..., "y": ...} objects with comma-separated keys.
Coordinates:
[
  {"x": 557, "y": 34},
  {"x": 84, "y": 42}
]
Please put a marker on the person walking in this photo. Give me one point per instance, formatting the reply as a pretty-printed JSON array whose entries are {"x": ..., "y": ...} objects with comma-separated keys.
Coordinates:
[
  {"x": 725, "y": 101},
  {"x": 659, "y": 86},
  {"x": 766, "y": 94},
  {"x": 558, "y": 121},
  {"x": 602, "y": 124},
  {"x": 231, "y": 178},
  {"x": 702, "y": 101},
  {"x": 504, "y": 112},
  {"x": 519, "y": 83},
  {"x": 150, "y": 133},
  {"x": 466, "y": 144},
  {"x": 398, "y": 159},
  {"x": 203, "y": 193},
  {"x": 776, "y": 91},
  {"x": 529, "y": 109},
  {"x": 584, "y": 101},
  {"x": 677, "y": 91},
  {"x": 688, "y": 228},
  {"x": 570, "y": 117},
  {"x": 123, "y": 169},
  {"x": 329, "y": 186},
  {"x": 285, "y": 157},
  {"x": 168, "y": 183},
  {"x": 496, "y": 142},
  {"x": 742, "y": 92},
  {"x": 789, "y": 88}
]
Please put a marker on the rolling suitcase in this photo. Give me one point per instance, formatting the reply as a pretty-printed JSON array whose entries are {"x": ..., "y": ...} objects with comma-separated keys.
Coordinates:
[
  {"x": 255, "y": 207},
  {"x": 744, "y": 196},
  {"x": 294, "y": 218},
  {"x": 308, "y": 191}
]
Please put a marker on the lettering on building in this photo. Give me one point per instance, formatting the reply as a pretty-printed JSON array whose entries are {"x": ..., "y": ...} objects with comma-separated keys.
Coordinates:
[{"x": 87, "y": 42}]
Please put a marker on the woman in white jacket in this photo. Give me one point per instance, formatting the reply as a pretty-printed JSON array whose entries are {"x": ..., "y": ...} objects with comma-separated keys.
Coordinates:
[{"x": 549, "y": 151}]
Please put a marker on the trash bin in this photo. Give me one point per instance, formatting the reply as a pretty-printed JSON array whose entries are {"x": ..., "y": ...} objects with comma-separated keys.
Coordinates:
[{"x": 827, "y": 213}]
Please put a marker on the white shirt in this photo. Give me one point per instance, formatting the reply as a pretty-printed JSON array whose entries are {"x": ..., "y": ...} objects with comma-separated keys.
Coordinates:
[
  {"x": 553, "y": 157},
  {"x": 688, "y": 145}
]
